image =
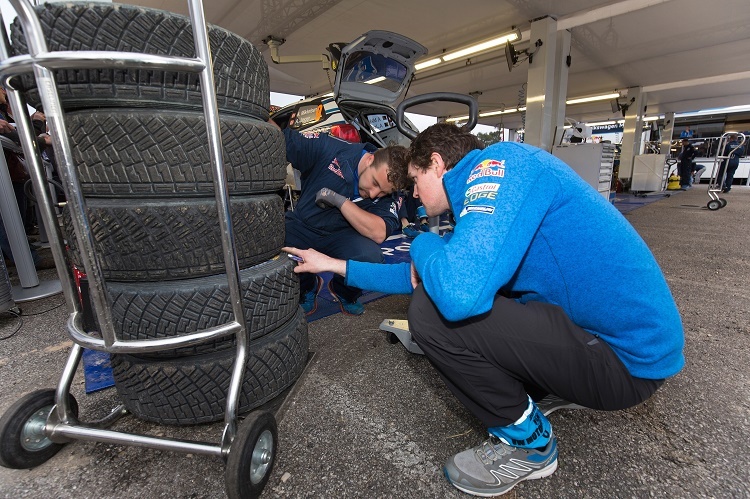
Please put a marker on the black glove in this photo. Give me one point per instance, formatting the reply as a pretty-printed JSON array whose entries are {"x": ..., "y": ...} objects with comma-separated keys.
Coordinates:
[{"x": 326, "y": 198}]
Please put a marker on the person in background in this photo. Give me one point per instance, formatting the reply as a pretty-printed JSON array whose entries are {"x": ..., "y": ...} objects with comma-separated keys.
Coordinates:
[
  {"x": 346, "y": 207},
  {"x": 687, "y": 133},
  {"x": 514, "y": 308},
  {"x": 698, "y": 170},
  {"x": 733, "y": 152},
  {"x": 685, "y": 169}
]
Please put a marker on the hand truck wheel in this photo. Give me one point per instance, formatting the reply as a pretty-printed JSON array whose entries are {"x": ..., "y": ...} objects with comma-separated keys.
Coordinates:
[
  {"x": 251, "y": 456},
  {"x": 23, "y": 443},
  {"x": 723, "y": 202},
  {"x": 392, "y": 338},
  {"x": 713, "y": 205}
]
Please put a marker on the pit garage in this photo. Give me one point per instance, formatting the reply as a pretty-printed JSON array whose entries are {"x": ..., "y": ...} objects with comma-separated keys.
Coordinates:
[{"x": 335, "y": 406}]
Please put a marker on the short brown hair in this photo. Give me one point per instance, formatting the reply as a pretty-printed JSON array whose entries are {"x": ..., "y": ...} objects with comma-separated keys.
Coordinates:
[
  {"x": 397, "y": 160},
  {"x": 446, "y": 139}
]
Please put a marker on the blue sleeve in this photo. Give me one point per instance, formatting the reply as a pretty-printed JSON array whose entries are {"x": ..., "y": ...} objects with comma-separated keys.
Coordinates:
[
  {"x": 387, "y": 209},
  {"x": 386, "y": 278},
  {"x": 491, "y": 237}
]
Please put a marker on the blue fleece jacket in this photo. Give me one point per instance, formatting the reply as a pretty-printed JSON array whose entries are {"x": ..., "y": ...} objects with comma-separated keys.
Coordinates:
[{"x": 528, "y": 225}]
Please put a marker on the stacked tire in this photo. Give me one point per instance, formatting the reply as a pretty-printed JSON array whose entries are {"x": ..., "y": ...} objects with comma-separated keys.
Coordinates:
[{"x": 139, "y": 143}]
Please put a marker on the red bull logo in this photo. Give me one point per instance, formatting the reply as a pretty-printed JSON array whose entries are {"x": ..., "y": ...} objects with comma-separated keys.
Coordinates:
[{"x": 487, "y": 168}]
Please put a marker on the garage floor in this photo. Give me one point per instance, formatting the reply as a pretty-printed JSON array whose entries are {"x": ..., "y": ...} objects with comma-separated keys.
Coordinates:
[{"x": 368, "y": 419}]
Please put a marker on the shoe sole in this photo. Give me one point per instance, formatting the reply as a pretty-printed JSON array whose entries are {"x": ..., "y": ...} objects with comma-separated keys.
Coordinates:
[
  {"x": 566, "y": 406},
  {"x": 542, "y": 473},
  {"x": 341, "y": 306}
]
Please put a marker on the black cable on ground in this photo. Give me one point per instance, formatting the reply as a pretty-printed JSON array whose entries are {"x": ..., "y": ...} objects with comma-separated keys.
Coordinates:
[
  {"x": 20, "y": 325},
  {"x": 49, "y": 310}
]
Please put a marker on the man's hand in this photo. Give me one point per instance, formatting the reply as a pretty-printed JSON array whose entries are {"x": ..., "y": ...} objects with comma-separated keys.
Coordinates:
[
  {"x": 415, "y": 279},
  {"x": 315, "y": 262},
  {"x": 326, "y": 198},
  {"x": 6, "y": 127}
]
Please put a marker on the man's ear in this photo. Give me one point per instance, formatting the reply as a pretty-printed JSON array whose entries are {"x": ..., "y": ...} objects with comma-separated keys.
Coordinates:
[{"x": 437, "y": 160}]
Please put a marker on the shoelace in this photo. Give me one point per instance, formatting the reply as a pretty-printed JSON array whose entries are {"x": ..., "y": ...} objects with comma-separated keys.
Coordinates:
[{"x": 492, "y": 449}]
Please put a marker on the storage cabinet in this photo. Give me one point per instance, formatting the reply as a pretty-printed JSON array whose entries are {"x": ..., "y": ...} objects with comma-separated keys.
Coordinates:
[{"x": 593, "y": 162}]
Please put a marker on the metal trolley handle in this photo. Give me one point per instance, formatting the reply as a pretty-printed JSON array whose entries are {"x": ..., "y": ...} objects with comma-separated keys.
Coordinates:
[
  {"x": 41, "y": 62},
  {"x": 432, "y": 97}
]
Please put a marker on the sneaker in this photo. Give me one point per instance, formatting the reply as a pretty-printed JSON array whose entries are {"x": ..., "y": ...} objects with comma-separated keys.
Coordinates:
[
  {"x": 309, "y": 301},
  {"x": 348, "y": 307},
  {"x": 493, "y": 468},
  {"x": 551, "y": 403}
]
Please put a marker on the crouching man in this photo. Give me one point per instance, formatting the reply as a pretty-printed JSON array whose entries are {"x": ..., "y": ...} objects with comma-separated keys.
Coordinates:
[{"x": 520, "y": 303}]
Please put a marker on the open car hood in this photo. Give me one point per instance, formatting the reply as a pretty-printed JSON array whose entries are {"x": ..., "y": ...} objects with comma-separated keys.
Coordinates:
[{"x": 377, "y": 67}]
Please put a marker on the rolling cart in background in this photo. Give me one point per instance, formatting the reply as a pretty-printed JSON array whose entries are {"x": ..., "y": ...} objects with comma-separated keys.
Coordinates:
[
  {"x": 36, "y": 426},
  {"x": 718, "y": 174}
]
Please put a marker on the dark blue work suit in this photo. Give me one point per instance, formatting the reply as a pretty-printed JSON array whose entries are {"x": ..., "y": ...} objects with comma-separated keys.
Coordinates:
[
  {"x": 730, "y": 164},
  {"x": 326, "y": 161}
]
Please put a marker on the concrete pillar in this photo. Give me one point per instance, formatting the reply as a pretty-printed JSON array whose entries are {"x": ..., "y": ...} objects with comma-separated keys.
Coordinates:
[
  {"x": 632, "y": 131},
  {"x": 666, "y": 133},
  {"x": 561, "y": 84},
  {"x": 540, "y": 112}
]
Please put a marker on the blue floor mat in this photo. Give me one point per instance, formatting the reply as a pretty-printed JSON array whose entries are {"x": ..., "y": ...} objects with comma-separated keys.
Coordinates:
[{"x": 98, "y": 372}]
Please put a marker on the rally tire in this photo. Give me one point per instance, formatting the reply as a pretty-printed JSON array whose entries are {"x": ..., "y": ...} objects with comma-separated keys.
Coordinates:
[
  {"x": 155, "y": 239},
  {"x": 192, "y": 390},
  {"x": 240, "y": 73},
  {"x": 151, "y": 310},
  {"x": 139, "y": 153}
]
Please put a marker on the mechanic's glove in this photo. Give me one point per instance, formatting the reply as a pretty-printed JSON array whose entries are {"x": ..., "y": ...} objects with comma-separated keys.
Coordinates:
[
  {"x": 423, "y": 220},
  {"x": 411, "y": 231},
  {"x": 326, "y": 198}
]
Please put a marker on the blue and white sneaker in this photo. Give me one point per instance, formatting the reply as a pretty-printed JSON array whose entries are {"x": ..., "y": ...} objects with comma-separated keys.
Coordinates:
[
  {"x": 309, "y": 301},
  {"x": 347, "y": 307},
  {"x": 494, "y": 468}
]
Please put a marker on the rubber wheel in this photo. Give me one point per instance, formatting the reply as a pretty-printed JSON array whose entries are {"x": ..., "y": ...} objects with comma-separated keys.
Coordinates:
[
  {"x": 392, "y": 338},
  {"x": 137, "y": 153},
  {"x": 714, "y": 205},
  {"x": 23, "y": 444},
  {"x": 240, "y": 73},
  {"x": 251, "y": 456},
  {"x": 723, "y": 202},
  {"x": 191, "y": 390},
  {"x": 149, "y": 310},
  {"x": 153, "y": 240}
]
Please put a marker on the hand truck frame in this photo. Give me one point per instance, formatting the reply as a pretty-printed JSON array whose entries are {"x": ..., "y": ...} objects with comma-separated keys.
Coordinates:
[{"x": 37, "y": 425}]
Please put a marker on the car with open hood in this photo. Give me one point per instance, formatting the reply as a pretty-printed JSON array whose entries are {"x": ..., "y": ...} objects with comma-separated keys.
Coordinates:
[{"x": 373, "y": 73}]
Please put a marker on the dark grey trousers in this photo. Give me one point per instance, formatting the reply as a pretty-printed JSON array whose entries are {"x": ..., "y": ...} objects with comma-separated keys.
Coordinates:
[{"x": 492, "y": 361}]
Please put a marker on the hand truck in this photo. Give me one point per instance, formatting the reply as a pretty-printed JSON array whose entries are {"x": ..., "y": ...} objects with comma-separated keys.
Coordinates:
[
  {"x": 36, "y": 426},
  {"x": 719, "y": 170}
]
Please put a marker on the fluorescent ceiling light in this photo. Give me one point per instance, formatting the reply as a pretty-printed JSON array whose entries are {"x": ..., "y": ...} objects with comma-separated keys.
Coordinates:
[
  {"x": 652, "y": 118},
  {"x": 375, "y": 80},
  {"x": 472, "y": 49},
  {"x": 593, "y": 98},
  {"x": 602, "y": 123},
  {"x": 457, "y": 118},
  {"x": 428, "y": 63},
  {"x": 480, "y": 47},
  {"x": 495, "y": 113}
]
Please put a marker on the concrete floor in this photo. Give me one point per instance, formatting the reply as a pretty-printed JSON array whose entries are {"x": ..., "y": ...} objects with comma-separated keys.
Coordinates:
[{"x": 368, "y": 419}]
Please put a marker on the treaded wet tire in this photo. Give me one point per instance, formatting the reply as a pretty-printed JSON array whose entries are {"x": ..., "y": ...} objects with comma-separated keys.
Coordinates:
[
  {"x": 152, "y": 240},
  {"x": 240, "y": 73},
  {"x": 126, "y": 153},
  {"x": 148, "y": 310},
  {"x": 192, "y": 390}
]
